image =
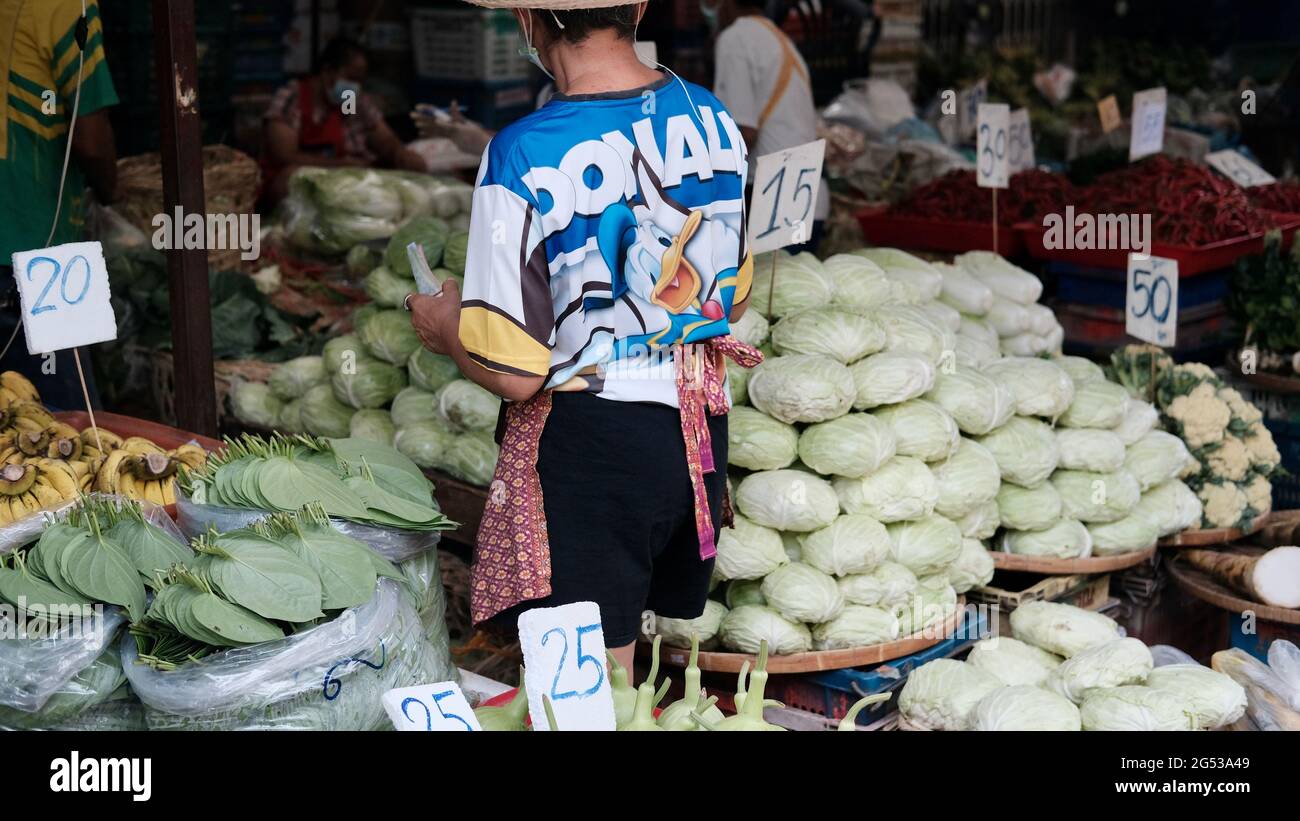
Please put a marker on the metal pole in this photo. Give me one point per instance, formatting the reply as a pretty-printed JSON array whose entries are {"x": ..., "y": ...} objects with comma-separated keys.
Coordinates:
[{"x": 182, "y": 170}]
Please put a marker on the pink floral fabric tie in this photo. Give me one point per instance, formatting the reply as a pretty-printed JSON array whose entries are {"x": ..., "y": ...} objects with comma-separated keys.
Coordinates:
[{"x": 512, "y": 559}]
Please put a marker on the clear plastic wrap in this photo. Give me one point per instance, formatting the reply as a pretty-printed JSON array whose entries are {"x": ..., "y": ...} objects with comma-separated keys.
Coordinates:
[
  {"x": 391, "y": 543},
  {"x": 330, "y": 677},
  {"x": 424, "y": 586},
  {"x": 1164, "y": 655},
  {"x": 1270, "y": 702},
  {"x": 62, "y": 679}
]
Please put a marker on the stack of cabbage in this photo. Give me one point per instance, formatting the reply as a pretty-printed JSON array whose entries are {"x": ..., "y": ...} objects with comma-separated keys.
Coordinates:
[
  {"x": 329, "y": 211},
  {"x": 1024, "y": 327},
  {"x": 1233, "y": 453},
  {"x": 1069, "y": 669}
]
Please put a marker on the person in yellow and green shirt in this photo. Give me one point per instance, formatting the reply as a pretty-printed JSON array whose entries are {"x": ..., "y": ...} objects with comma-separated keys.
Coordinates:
[{"x": 41, "y": 59}]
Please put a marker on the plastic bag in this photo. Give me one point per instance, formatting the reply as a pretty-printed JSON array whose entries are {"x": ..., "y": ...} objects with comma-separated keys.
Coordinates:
[
  {"x": 391, "y": 543},
  {"x": 1164, "y": 655},
  {"x": 330, "y": 677},
  {"x": 52, "y": 681},
  {"x": 424, "y": 587}
]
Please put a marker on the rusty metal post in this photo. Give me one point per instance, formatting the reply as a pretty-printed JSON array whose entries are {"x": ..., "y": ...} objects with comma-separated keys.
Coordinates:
[{"x": 176, "y": 66}]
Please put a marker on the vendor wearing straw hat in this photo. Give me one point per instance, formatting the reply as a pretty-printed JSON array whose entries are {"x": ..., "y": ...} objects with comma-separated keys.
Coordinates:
[{"x": 607, "y": 258}]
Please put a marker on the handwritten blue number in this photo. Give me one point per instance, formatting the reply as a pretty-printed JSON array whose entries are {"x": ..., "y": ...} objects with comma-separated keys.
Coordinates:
[
  {"x": 559, "y": 668},
  {"x": 582, "y": 659},
  {"x": 39, "y": 308},
  {"x": 428, "y": 717},
  {"x": 437, "y": 699},
  {"x": 63, "y": 286}
]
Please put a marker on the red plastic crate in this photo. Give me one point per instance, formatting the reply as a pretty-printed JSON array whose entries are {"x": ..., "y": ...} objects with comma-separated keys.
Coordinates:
[
  {"x": 127, "y": 426},
  {"x": 892, "y": 230},
  {"x": 1191, "y": 259}
]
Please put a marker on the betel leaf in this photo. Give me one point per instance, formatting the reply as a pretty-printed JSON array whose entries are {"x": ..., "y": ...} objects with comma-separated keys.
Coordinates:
[
  {"x": 379, "y": 501},
  {"x": 375, "y": 454},
  {"x": 257, "y": 573},
  {"x": 346, "y": 573},
  {"x": 288, "y": 485},
  {"x": 234, "y": 624},
  {"x": 150, "y": 549},
  {"x": 99, "y": 569},
  {"x": 48, "y": 550},
  {"x": 29, "y": 594}
]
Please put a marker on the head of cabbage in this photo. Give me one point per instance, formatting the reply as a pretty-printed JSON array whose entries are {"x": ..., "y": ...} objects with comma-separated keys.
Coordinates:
[
  {"x": 1095, "y": 498},
  {"x": 853, "y": 445},
  {"x": 430, "y": 371},
  {"x": 471, "y": 457},
  {"x": 856, "y": 626},
  {"x": 1130, "y": 534},
  {"x": 800, "y": 284},
  {"x": 423, "y": 443},
  {"x": 738, "y": 383},
  {"x": 933, "y": 601},
  {"x": 752, "y": 328},
  {"x": 1171, "y": 506},
  {"x": 430, "y": 232},
  {"x": 925, "y": 546},
  {"x": 324, "y": 415},
  {"x": 1214, "y": 699},
  {"x": 370, "y": 383},
  {"x": 412, "y": 405},
  {"x": 801, "y": 592},
  {"x": 910, "y": 328},
  {"x": 921, "y": 429},
  {"x": 1062, "y": 629},
  {"x": 903, "y": 488},
  {"x": 982, "y": 522},
  {"x": 858, "y": 283},
  {"x": 792, "y": 500},
  {"x": 1040, "y": 387},
  {"x": 1064, "y": 539},
  {"x": 1025, "y": 708},
  {"x": 1113, "y": 664},
  {"x": 942, "y": 694},
  {"x": 853, "y": 543},
  {"x": 294, "y": 378},
  {"x": 678, "y": 632},
  {"x": 890, "y": 378},
  {"x": 756, "y": 441},
  {"x": 1029, "y": 508},
  {"x": 967, "y": 479},
  {"x": 973, "y": 567},
  {"x": 802, "y": 388},
  {"x": 1097, "y": 404},
  {"x": 1135, "y": 708},
  {"x": 467, "y": 406},
  {"x": 1013, "y": 662},
  {"x": 748, "y": 551},
  {"x": 889, "y": 585},
  {"x": 1025, "y": 450},
  {"x": 386, "y": 289},
  {"x": 920, "y": 281},
  {"x": 1155, "y": 458},
  {"x": 388, "y": 335},
  {"x": 340, "y": 351},
  {"x": 374, "y": 424},
  {"x": 254, "y": 403},
  {"x": 746, "y": 627},
  {"x": 977, "y": 402},
  {"x": 842, "y": 335},
  {"x": 1089, "y": 449}
]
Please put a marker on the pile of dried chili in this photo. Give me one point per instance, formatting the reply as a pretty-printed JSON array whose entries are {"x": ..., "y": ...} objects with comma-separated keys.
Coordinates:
[
  {"x": 955, "y": 197},
  {"x": 1281, "y": 196}
]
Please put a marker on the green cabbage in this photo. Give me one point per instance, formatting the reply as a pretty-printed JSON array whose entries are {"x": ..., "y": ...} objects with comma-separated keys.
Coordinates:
[
  {"x": 942, "y": 315},
  {"x": 678, "y": 632},
  {"x": 453, "y": 255},
  {"x": 341, "y": 350},
  {"x": 290, "y": 418},
  {"x": 976, "y": 402},
  {"x": 254, "y": 404},
  {"x": 973, "y": 567},
  {"x": 933, "y": 602},
  {"x": 1040, "y": 387},
  {"x": 890, "y": 378},
  {"x": 921, "y": 429},
  {"x": 858, "y": 284},
  {"x": 1025, "y": 708},
  {"x": 756, "y": 441},
  {"x": 738, "y": 383},
  {"x": 1172, "y": 507},
  {"x": 752, "y": 328},
  {"x": 468, "y": 406},
  {"x": 1128, "y": 535},
  {"x": 371, "y": 384},
  {"x": 1140, "y": 419},
  {"x": 800, "y": 284},
  {"x": 904, "y": 488},
  {"x": 803, "y": 593},
  {"x": 1113, "y": 664},
  {"x": 324, "y": 415},
  {"x": 856, "y": 626},
  {"x": 1025, "y": 450},
  {"x": 471, "y": 457},
  {"x": 375, "y": 425},
  {"x": 802, "y": 388},
  {"x": 925, "y": 546},
  {"x": 1096, "y": 498},
  {"x": 748, "y": 551},
  {"x": 1029, "y": 509},
  {"x": 430, "y": 232},
  {"x": 888, "y": 585},
  {"x": 1156, "y": 458},
  {"x": 966, "y": 480},
  {"x": 853, "y": 445},
  {"x": 430, "y": 371},
  {"x": 942, "y": 694},
  {"x": 417, "y": 200},
  {"x": 974, "y": 353},
  {"x": 1066, "y": 539},
  {"x": 909, "y": 328},
  {"x": 1214, "y": 699},
  {"x": 921, "y": 278},
  {"x": 424, "y": 443},
  {"x": 1062, "y": 629},
  {"x": 746, "y": 627},
  {"x": 361, "y": 259},
  {"x": 853, "y": 543},
  {"x": 982, "y": 522},
  {"x": 388, "y": 335},
  {"x": 1013, "y": 662},
  {"x": 412, "y": 406},
  {"x": 841, "y": 335},
  {"x": 292, "y": 379},
  {"x": 1135, "y": 708},
  {"x": 787, "y": 500},
  {"x": 387, "y": 289},
  {"x": 744, "y": 591},
  {"x": 1097, "y": 404},
  {"x": 1081, "y": 370},
  {"x": 1088, "y": 449}
]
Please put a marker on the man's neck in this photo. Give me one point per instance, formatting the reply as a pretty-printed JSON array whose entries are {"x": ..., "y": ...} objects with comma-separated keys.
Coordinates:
[{"x": 599, "y": 64}]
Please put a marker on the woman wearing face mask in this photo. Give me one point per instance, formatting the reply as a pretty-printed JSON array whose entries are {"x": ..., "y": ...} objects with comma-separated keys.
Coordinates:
[
  {"x": 607, "y": 258},
  {"x": 326, "y": 120}
]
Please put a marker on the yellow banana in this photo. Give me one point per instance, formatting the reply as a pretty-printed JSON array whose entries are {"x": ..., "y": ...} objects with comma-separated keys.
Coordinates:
[
  {"x": 192, "y": 456},
  {"x": 128, "y": 487},
  {"x": 46, "y": 494},
  {"x": 59, "y": 476},
  {"x": 19, "y": 385},
  {"x": 141, "y": 446},
  {"x": 109, "y": 474}
]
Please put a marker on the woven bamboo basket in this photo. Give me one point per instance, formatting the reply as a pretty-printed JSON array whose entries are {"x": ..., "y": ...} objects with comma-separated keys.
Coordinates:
[
  {"x": 226, "y": 372},
  {"x": 230, "y": 184}
]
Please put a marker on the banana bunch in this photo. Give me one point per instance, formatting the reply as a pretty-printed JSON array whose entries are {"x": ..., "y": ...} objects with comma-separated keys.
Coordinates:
[
  {"x": 139, "y": 469},
  {"x": 29, "y": 488},
  {"x": 14, "y": 387}
]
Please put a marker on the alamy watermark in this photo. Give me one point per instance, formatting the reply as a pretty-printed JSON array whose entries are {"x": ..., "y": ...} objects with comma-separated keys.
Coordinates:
[
  {"x": 212, "y": 232},
  {"x": 1097, "y": 232},
  {"x": 32, "y": 621}
]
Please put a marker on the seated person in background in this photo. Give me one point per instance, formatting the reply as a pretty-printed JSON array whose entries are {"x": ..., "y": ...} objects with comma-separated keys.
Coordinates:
[{"x": 326, "y": 120}]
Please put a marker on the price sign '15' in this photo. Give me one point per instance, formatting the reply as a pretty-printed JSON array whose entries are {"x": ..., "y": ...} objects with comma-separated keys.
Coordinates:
[{"x": 786, "y": 184}]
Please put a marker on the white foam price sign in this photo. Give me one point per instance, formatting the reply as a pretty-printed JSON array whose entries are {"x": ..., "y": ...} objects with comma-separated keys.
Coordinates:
[
  {"x": 786, "y": 184},
  {"x": 1237, "y": 168},
  {"x": 430, "y": 708},
  {"x": 991, "y": 169},
  {"x": 564, "y": 654},
  {"x": 65, "y": 297},
  {"x": 1020, "y": 141},
  {"x": 968, "y": 106},
  {"x": 1148, "y": 127},
  {"x": 1151, "y": 300}
]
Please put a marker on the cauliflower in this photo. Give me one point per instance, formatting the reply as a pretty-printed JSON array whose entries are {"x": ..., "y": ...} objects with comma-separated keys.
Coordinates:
[
  {"x": 1192, "y": 469},
  {"x": 1200, "y": 416},
  {"x": 1197, "y": 369},
  {"x": 1243, "y": 412},
  {"x": 1225, "y": 505},
  {"x": 1264, "y": 455},
  {"x": 1182, "y": 380},
  {"x": 1230, "y": 460},
  {"x": 1259, "y": 495}
]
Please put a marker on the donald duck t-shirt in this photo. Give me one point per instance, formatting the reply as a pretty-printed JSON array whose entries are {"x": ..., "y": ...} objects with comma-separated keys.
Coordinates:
[{"x": 607, "y": 229}]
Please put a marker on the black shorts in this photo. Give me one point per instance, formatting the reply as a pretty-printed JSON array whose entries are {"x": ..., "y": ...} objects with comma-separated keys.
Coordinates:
[{"x": 620, "y": 513}]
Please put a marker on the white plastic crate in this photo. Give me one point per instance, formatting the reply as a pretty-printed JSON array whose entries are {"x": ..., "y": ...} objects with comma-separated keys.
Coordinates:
[{"x": 467, "y": 44}]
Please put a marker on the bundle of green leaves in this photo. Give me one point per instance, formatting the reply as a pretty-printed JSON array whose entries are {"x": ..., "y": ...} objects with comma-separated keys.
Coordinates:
[{"x": 1265, "y": 296}]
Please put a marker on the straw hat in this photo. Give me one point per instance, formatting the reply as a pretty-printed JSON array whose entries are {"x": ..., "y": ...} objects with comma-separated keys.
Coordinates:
[{"x": 551, "y": 5}]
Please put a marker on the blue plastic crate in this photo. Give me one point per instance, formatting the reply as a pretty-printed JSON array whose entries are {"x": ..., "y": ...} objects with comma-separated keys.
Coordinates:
[
  {"x": 1265, "y": 633},
  {"x": 1286, "y": 489},
  {"x": 832, "y": 693},
  {"x": 1080, "y": 285}
]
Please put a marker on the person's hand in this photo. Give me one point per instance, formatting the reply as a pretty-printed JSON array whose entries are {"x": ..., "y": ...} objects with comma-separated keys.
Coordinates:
[
  {"x": 436, "y": 319},
  {"x": 466, "y": 134}
]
